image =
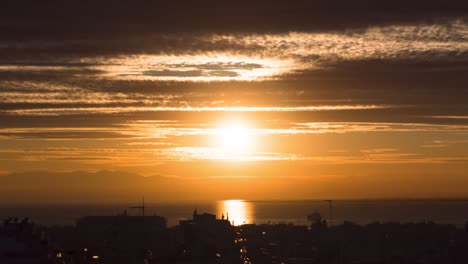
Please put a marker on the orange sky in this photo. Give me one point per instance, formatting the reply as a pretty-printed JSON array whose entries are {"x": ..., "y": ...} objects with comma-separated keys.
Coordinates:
[{"x": 308, "y": 108}]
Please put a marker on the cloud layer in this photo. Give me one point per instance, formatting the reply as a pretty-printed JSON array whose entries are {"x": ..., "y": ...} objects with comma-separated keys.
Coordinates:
[{"x": 356, "y": 89}]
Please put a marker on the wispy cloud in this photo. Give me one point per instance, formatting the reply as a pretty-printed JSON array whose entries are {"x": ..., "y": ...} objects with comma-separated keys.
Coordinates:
[
  {"x": 449, "y": 117},
  {"x": 209, "y": 153},
  {"x": 267, "y": 56},
  {"x": 443, "y": 143},
  {"x": 347, "y": 127},
  {"x": 187, "y": 67},
  {"x": 54, "y": 111}
]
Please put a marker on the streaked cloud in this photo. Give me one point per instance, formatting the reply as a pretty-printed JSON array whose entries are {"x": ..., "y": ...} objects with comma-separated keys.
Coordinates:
[
  {"x": 145, "y": 129},
  {"x": 449, "y": 117},
  {"x": 53, "y": 111},
  {"x": 206, "y": 153}
]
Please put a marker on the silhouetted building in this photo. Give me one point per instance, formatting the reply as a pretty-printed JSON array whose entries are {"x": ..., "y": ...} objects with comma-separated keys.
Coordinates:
[
  {"x": 206, "y": 239},
  {"x": 23, "y": 242},
  {"x": 122, "y": 238}
]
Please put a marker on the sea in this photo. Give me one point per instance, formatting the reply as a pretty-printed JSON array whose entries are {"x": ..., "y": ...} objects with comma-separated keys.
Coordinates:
[{"x": 442, "y": 211}]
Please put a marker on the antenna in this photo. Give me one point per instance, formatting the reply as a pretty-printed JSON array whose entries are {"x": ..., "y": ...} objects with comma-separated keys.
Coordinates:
[{"x": 331, "y": 211}]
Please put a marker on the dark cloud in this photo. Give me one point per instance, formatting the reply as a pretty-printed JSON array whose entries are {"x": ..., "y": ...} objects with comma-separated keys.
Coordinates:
[
  {"x": 222, "y": 66},
  {"x": 58, "y": 18},
  {"x": 104, "y": 64},
  {"x": 76, "y": 135},
  {"x": 45, "y": 74},
  {"x": 164, "y": 73},
  {"x": 194, "y": 73}
]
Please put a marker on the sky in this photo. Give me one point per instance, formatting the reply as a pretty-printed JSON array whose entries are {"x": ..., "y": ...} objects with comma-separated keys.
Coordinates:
[{"x": 183, "y": 100}]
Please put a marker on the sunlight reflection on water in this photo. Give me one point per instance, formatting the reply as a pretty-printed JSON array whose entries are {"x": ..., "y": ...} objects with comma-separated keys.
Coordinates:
[{"x": 239, "y": 211}]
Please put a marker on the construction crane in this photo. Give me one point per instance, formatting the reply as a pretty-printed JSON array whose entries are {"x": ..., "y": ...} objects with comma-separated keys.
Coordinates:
[{"x": 141, "y": 207}]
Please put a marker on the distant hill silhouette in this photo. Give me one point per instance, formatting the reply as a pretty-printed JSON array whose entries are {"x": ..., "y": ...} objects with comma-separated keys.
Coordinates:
[
  {"x": 124, "y": 187},
  {"x": 81, "y": 186},
  {"x": 118, "y": 187}
]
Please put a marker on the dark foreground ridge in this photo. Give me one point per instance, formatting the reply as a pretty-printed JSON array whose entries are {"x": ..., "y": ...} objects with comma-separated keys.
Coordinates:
[{"x": 129, "y": 239}]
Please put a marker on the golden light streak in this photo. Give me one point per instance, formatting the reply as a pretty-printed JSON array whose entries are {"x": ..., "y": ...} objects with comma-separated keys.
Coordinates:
[{"x": 110, "y": 110}]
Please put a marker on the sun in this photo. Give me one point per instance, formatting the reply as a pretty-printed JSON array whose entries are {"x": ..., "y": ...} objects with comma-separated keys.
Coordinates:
[{"x": 234, "y": 137}]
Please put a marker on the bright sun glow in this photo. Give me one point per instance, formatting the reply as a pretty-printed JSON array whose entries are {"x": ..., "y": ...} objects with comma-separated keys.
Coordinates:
[{"x": 234, "y": 138}]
